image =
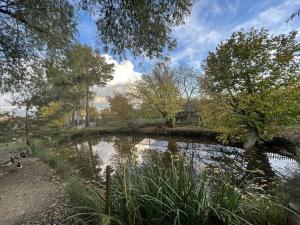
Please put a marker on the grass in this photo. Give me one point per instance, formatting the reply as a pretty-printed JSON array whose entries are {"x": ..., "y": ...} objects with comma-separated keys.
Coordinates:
[
  {"x": 152, "y": 194},
  {"x": 87, "y": 202},
  {"x": 62, "y": 166},
  {"x": 13, "y": 146}
]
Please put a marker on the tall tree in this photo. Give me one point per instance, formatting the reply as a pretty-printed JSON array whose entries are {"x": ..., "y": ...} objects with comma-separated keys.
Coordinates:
[
  {"x": 187, "y": 80},
  {"x": 30, "y": 95},
  {"x": 65, "y": 88},
  {"x": 89, "y": 69},
  {"x": 159, "y": 92},
  {"x": 258, "y": 76}
]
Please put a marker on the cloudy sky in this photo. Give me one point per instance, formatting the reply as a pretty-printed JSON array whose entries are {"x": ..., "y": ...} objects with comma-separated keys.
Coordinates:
[{"x": 211, "y": 22}]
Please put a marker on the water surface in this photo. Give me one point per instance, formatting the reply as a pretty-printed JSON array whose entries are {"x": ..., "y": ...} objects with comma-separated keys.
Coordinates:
[{"x": 93, "y": 155}]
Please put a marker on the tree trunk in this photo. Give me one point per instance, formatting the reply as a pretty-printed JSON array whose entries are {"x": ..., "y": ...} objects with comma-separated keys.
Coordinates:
[
  {"x": 108, "y": 190},
  {"x": 87, "y": 107},
  {"x": 170, "y": 122},
  {"x": 27, "y": 141},
  {"x": 251, "y": 139},
  {"x": 189, "y": 111},
  {"x": 73, "y": 119}
]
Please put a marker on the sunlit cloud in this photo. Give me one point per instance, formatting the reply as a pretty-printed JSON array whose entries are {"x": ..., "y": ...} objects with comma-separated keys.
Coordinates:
[{"x": 124, "y": 74}]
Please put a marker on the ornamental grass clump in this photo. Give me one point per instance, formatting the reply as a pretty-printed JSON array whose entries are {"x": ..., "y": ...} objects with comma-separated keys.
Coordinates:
[{"x": 152, "y": 194}]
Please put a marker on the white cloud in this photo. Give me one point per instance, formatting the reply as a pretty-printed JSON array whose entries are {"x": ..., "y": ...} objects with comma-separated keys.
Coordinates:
[
  {"x": 124, "y": 71},
  {"x": 195, "y": 35},
  {"x": 99, "y": 99},
  {"x": 123, "y": 75},
  {"x": 273, "y": 18},
  {"x": 5, "y": 106}
]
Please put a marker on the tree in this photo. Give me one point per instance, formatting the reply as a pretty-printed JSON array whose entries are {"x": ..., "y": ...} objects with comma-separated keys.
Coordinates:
[
  {"x": 88, "y": 68},
  {"x": 30, "y": 95},
  {"x": 29, "y": 30},
  {"x": 121, "y": 106},
  {"x": 142, "y": 27},
  {"x": 187, "y": 80},
  {"x": 54, "y": 114},
  {"x": 159, "y": 92},
  {"x": 65, "y": 88},
  {"x": 258, "y": 76}
]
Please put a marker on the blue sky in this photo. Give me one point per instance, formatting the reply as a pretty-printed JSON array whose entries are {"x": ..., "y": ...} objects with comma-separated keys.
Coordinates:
[{"x": 211, "y": 22}]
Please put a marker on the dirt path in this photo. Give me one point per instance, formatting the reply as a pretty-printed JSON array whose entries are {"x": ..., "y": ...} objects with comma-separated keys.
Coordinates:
[{"x": 27, "y": 191}]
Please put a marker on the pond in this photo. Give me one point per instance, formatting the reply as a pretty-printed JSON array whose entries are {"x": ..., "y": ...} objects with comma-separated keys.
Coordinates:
[{"x": 265, "y": 166}]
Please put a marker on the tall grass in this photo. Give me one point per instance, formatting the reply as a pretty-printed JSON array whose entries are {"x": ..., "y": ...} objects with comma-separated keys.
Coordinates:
[
  {"x": 153, "y": 194},
  {"x": 62, "y": 166},
  {"x": 12, "y": 146},
  {"x": 87, "y": 203}
]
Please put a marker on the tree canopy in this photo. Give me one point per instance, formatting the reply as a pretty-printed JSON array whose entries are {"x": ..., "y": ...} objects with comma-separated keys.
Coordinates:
[
  {"x": 71, "y": 81},
  {"x": 142, "y": 27},
  {"x": 187, "y": 79},
  {"x": 29, "y": 30},
  {"x": 121, "y": 106},
  {"x": 33, "y": 29},
  {"x": 258, "y": 75},
  {"x": 89, "y": 69},
  {"x": 159, "y": 92}
]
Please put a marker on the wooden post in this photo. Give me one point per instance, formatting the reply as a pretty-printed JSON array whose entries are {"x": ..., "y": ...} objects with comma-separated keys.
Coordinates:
[
  {"x": 87, "y": 116},
  {"x": 107, "y": 190}
]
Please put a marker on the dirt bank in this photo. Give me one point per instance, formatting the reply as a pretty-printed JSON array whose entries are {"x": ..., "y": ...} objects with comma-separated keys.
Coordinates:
[
  {"x": 162, "y": 131},
  {"x": 289, "y": 138},
  {"x": 27, "y": 191}
]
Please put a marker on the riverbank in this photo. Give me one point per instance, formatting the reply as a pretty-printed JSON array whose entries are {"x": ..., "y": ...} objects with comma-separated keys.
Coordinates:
[
  {"x": 288, "y": 138},
  {"x": 162, "y": 131}
]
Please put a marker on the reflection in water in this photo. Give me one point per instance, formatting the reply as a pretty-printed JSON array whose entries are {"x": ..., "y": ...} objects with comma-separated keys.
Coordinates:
[
  {"x": 93, "y": 156},
  {"x": 87, "y": 162}
]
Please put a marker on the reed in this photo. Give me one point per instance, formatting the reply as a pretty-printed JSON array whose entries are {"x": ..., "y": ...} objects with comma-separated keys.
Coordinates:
[{"x": 153, "y": 194}]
